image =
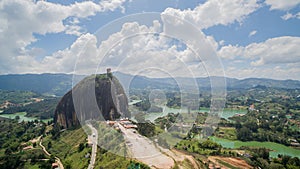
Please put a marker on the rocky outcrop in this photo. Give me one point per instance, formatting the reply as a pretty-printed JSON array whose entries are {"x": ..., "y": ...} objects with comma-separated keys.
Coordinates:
[{"x": 96, "y": 97}]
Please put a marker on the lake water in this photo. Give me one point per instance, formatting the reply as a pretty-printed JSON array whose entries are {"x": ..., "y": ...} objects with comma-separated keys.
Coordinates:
[
  {"x": 166, "y": 110},
  {"x": 22, "y": 116},
  {"x": 277, "y": 148},
  {"x": 225, "y": 114}
]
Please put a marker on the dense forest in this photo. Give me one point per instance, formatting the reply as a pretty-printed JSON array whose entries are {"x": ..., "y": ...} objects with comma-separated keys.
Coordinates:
[{"x": 12, "y": 135}]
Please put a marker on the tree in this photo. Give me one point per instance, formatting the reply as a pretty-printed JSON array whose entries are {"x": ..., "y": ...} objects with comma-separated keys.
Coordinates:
[
  {"x": 263, "y": 153},
  {"x": 295, "y": 161},
  {"x": 17, "y": 118},
  {"x": 45, "y": 165},
  {"x": 275, "y": 166},
  {"x": 140, "y": 117},
  {"x": 147, "y": 129},
  {"x": 55, "y": 132},
  {"x": 68, "y": 165},
  {"x": 49, "y": 145},
  {"x": 251, "y": 125},
  {"x": 244, "y": 134},
  {"x": 238, "y": 125},
  {"x": 285, "y": 159},
  {"x": 80, "y": 147},
  {"x": 8, "y": 151},
  {"x": 52, "y": 159},
  {"x": 210, "y": 145},
  {"x": 12, "y": 161}
]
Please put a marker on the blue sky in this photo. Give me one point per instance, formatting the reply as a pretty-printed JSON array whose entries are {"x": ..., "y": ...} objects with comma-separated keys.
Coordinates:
[{"x": 248, "y": 38}]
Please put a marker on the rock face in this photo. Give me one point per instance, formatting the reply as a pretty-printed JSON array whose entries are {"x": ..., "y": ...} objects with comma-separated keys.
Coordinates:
[{"x": 98, "y": 97}]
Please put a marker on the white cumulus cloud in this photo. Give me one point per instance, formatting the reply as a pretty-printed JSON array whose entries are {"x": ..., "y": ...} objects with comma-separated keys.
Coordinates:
[
  {"x": 282, "y": 4},
  {"x": 288, "y": 16},
  {"x": 21, "y": 19},
  {"x": 280, "y": 50},
  {"x": 215, "y": 12},
  {"x": 134, "y": 49}
]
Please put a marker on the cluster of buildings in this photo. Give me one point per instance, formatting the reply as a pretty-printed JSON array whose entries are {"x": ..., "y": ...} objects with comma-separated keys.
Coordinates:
[
  {"x": 55, "y": 166},
  {"x": 294, "y": 143},
  {"x": 7, "y": 104},
  {"x": 125, "y": 122}
]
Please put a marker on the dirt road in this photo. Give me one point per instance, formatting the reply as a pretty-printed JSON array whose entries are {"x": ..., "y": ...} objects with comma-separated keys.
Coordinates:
[{"x": 57, "y": 160}]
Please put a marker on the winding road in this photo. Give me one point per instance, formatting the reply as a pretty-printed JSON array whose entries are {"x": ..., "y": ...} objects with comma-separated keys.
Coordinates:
[{"x": 57, "y": 160}]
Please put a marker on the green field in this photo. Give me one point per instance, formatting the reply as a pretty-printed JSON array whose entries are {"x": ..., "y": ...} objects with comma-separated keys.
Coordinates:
[
  {"x": 277, "y": 148},
  {"x": 22, "y": 116}
]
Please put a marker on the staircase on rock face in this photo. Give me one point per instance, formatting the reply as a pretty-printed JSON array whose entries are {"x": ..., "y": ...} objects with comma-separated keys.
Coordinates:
[{"x": 116, "y": 98}]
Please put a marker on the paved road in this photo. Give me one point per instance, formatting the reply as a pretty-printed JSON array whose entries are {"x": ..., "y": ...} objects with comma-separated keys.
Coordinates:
[
  {"x": 142, "y": 149},
  {"x": 94, "y": 139}
]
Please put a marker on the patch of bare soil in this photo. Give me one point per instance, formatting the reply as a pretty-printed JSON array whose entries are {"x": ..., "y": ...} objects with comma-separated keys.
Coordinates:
[{"x": 236, "y": 162}]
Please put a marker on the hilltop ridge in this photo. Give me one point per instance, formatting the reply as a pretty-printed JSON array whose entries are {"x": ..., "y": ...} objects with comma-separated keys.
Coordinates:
[{"x": 60, "y": 84}]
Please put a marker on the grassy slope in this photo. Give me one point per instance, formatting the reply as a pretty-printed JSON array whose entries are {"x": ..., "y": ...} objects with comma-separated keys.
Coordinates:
[
  {"x": 108, "y": 160},
  {"x": 66, "y": 148}
]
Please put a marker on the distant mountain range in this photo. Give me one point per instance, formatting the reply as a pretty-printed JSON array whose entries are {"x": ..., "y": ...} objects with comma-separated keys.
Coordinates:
[
  {"x": 205, "y": 82},
  {"x": 59, "y": 84},
  {"x": 52, "y": 84}
]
